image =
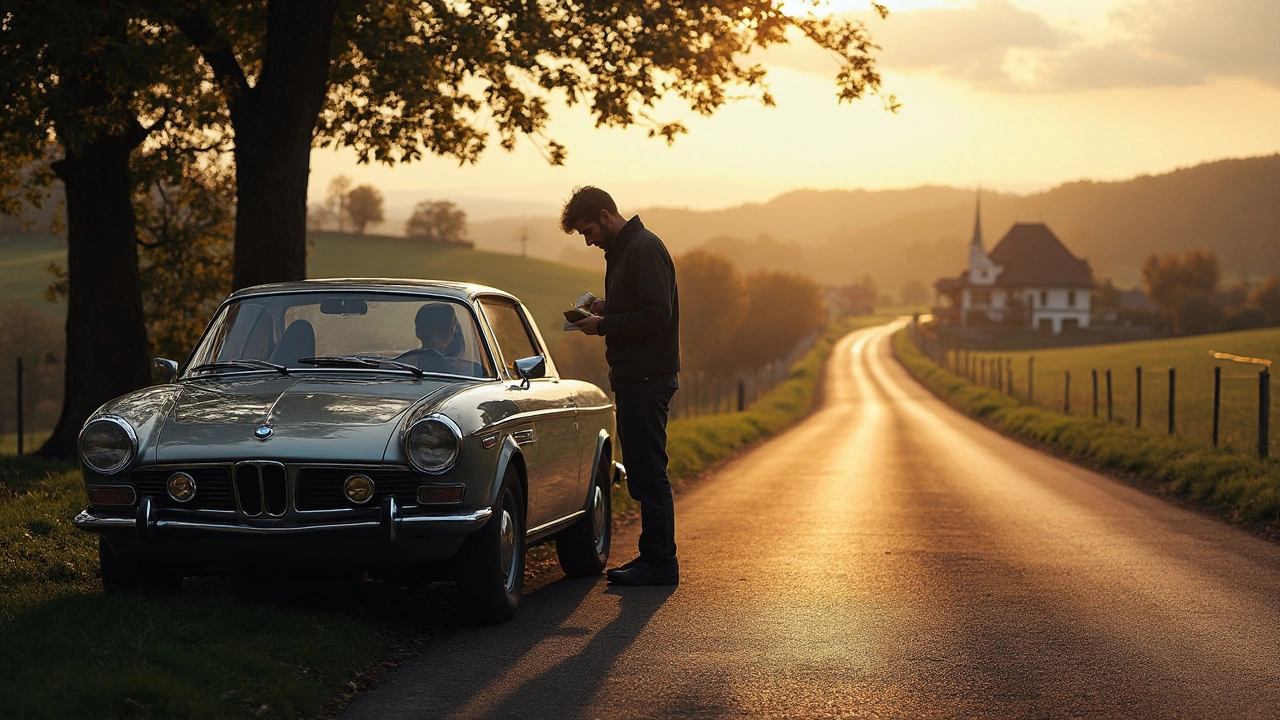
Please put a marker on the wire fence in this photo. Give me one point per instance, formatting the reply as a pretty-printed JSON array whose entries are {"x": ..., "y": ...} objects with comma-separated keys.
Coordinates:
[
  {"x": 703, "y": 393},
  {"x": 1212, "y": 398}
]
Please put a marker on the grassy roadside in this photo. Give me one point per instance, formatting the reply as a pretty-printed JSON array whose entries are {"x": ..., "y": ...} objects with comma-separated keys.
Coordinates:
[
  {"x": 1247, "y": 488},
  {"x": 221, "y": 650}
]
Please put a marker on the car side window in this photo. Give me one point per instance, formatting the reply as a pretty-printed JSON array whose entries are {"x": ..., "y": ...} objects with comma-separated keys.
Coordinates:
[{"x": 509, "y": 329}]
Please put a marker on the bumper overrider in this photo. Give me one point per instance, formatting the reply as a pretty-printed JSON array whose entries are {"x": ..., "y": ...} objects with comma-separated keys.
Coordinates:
[{"x": 150, "y": 522}]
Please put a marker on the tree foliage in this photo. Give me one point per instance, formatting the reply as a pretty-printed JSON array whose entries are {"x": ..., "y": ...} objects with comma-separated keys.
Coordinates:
[
  {"x": 364, "y": 207},
  {"x": 714, "y": 303},
  {"x": 437, "y": 221},
  {"x": 782, "y": 309},
  {"x": 1183, "y": 288}
]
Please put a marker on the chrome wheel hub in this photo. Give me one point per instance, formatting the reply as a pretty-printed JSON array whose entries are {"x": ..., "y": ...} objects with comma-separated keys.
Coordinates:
[
  {"x": 507, "y": 546},
  {"x": 599, "y": 517}
]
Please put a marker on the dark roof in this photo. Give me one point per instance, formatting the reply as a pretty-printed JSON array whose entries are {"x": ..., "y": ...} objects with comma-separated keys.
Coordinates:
[
  {"x": 1032, "y": 255},
  {"x": 955, "y": 283}
]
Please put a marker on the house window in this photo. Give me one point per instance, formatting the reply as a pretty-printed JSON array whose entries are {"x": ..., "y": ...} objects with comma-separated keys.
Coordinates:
[
  {"x": 1044, "y": 298},
  {"x": 1071, "y": 299},
  {"x": 980, "y": 297}
]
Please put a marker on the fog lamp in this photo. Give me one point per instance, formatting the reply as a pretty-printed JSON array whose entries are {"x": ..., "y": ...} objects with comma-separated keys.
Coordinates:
[
  {"x": 182, "y": 487},
  {"x": 358, "y": 488},
  {"x": 111, "y": 495},
  {"x": 440, "y": 494}
]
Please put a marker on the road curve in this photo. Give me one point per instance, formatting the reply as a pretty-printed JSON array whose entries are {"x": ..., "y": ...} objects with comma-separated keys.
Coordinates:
[{"x": 888, "y": 557}]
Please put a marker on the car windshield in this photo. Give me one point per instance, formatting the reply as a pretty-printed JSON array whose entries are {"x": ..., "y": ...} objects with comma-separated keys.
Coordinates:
[{"x": 360, "y": 330}]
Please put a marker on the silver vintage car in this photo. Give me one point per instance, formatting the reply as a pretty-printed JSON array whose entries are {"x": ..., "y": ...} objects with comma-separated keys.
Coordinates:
[{"x": 398, "y": 427}]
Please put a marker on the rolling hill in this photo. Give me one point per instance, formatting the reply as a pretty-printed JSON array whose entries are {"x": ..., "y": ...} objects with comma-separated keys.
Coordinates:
[
  {"x": 1231, "y": 207},
  {"x": 546, "y": 287}
]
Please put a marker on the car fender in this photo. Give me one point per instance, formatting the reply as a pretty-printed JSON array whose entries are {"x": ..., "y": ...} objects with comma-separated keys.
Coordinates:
[
  {"x": 508, "y": 453},
  {"x": 601, "y": 439}
]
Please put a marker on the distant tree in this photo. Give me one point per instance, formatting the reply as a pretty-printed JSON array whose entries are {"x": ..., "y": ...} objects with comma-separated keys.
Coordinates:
[
  {"x": 860, "y": 297},
  {"x": 437, "y": 221},
  {"x": 782, "y": 309},
  {"x": 1266, "y": 299},
  {"x": 1183, "y": 288},
  {"x": 364, "y": 207},
  {"x": 915, "y": 293},
  {"x": 714, "y": 301},
  {"x": 339, "y": 186}
]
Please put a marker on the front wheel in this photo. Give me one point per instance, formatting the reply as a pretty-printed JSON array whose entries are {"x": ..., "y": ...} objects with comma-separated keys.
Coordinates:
[
  {"x": 583, "y": 548},
  {"x": 491, "y": 562}
]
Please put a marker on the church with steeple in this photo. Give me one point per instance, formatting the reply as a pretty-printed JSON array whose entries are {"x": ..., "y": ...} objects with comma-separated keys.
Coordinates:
[{"x": 1029, "y": 280}]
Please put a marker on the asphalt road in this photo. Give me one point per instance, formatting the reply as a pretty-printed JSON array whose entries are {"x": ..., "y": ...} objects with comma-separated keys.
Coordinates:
[{"x": 889, "y": 558}]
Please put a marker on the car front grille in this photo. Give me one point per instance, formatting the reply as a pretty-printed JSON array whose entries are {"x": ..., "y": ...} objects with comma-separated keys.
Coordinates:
[
  {"x": 213, "y": 487},
  {"x": 321, "y": 488},
  {"x": 262, "y": 488}
]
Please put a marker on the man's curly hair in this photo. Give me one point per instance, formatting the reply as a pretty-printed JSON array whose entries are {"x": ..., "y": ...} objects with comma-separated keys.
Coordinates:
[{"x": 585, "y": 204}]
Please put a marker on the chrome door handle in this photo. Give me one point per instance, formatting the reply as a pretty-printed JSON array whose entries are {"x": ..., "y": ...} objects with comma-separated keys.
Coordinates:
[{"x": 523, "y": 436}]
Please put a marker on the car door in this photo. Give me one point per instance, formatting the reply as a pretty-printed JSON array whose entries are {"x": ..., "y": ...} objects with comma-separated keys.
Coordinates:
[{"x": 546, "y": 426}]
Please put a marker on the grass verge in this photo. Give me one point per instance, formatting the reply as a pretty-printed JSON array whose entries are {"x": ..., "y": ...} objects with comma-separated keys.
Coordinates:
[{"x": 1246, "y": 488}]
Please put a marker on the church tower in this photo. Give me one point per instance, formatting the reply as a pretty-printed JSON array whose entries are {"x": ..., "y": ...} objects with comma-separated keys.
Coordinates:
[{"x": 981, "y": 270}]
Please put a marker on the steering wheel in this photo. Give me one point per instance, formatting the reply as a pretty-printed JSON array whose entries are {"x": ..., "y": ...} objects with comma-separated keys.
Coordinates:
[{"x": 420, "y": 356}]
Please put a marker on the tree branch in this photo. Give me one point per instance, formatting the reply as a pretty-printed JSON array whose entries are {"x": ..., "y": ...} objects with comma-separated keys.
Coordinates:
[{"x": 217, "y": 51}]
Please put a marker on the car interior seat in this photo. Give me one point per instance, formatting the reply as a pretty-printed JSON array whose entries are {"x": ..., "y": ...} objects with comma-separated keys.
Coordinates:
[{"x": 297, "y": 342}]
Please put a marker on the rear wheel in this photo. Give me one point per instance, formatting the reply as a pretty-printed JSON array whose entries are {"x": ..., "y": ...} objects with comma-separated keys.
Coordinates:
[
  {"x": 583, "y": 548},
  {"x": 123, "y": 575},
  {"x": 491, "y": 562}
]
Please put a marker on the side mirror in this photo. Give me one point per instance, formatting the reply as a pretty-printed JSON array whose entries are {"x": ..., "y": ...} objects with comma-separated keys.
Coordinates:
[
  {"x": 166, "y": 369},
  {"x": 530, "y": 368}
]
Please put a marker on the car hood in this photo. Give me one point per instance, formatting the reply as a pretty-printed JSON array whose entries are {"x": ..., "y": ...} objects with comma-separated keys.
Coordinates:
[{"x": 322, "y": 420}]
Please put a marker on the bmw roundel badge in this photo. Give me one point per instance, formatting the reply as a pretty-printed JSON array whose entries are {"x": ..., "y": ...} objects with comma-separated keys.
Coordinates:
[{"x": 263, "y": 432}]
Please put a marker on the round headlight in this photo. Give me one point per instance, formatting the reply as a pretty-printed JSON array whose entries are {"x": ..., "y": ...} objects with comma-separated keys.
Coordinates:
[
  {"x": 181, "y": 486},
  {"x": 358, "y": 489},
  {"x": 107, "y": 444},
  {"x": 433, "y": 444}
]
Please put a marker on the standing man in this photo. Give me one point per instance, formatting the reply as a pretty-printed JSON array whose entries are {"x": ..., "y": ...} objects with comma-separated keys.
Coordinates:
[{"x": 640, "y": 321}]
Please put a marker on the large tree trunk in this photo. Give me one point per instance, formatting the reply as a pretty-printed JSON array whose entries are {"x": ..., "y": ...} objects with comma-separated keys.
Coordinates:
[
  {"x": 274, "y": 125},
  {"x": 106, "y": 336}
]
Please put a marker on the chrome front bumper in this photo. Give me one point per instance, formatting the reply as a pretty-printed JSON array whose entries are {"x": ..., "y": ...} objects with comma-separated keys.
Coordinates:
[{"x": 390, "y": 525}]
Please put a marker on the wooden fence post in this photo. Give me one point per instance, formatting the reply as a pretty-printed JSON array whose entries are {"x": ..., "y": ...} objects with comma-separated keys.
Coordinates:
[
  {"x": 1138, "y": 399},
  {"x": 20, "y": 404},
  {"x": 1217, "y": 400},
  {"x": 1172, "y": 385},
  {"x": 1066, "y": 394},
  {"x": 1095, "y": 392},
  {"x": 1009, "y": 365},
  {"x": 1264, "y": 413}
]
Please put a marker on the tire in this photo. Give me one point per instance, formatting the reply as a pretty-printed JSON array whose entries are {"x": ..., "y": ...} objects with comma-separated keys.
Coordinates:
[
  {"x": 583, "y": 548},
  {"x": 491, "y": 562},
  {"x": 122, "y": 575}
]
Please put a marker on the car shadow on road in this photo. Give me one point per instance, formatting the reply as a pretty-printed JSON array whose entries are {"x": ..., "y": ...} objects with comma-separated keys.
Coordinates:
[{"x": 555, "y": 655}]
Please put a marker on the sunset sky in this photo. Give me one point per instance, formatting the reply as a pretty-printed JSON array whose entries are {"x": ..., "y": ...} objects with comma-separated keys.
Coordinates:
[{"x": 1008, "y": 94}]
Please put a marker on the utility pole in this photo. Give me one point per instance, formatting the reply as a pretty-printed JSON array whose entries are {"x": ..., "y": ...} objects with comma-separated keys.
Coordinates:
[{"x": 524, "y": 240}]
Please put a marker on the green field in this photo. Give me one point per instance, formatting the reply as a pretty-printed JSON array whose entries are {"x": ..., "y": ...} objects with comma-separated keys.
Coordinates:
[
  {"x": 547, "y": 288},
  {"x": 1193, "y": 397},
  {"x": 22, "y": 269}
]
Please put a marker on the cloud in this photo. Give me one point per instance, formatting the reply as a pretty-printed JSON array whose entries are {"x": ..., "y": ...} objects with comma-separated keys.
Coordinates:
[{"x": 994, "y": 45}]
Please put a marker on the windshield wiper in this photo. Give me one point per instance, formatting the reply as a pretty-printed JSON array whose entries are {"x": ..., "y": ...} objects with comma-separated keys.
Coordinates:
[
  {"x": 361, "y": 361},
  {"x": 249, "y": 364}
]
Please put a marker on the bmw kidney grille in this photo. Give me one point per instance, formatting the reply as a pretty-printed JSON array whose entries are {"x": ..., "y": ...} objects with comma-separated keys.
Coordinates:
[{"x": 261, "y": 488}]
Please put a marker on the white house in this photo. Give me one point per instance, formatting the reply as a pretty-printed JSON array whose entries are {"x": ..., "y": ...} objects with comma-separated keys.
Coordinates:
[{"x": 1029, "y": 280}]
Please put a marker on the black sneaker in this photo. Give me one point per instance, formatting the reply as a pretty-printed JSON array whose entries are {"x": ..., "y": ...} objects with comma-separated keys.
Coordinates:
[{"x": 638, "y": 572}]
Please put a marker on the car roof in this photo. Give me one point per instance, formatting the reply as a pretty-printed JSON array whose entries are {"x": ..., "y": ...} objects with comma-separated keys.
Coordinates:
[{"x": 461, "y": 291}]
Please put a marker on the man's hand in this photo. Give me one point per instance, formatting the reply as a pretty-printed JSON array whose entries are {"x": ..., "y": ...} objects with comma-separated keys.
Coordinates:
[
  {"x": 588, "y": 326},
  {"x": 597, "y": 307}
]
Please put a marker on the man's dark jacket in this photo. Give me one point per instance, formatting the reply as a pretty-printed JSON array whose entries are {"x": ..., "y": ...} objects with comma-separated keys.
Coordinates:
[{"x": 641, "y": 324}]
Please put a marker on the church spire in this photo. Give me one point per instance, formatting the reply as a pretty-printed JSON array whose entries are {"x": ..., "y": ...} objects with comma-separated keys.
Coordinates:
[{"x": 977, "y": 220}]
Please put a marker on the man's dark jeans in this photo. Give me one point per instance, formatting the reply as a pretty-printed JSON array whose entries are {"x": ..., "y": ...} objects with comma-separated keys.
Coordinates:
[{"x": 642, "y": 425}]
